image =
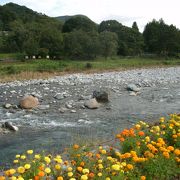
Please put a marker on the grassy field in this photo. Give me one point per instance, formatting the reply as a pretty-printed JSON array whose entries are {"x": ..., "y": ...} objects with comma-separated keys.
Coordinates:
[{"x": 42, "y": 68}]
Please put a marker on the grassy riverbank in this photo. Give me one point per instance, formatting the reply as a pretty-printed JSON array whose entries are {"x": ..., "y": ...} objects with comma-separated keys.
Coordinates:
[{"x": 17, "y": 70}]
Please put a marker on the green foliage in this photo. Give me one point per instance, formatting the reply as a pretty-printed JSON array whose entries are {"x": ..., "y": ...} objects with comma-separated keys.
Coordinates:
[
  {"x": 161, "y": 38},
  {"x": 109, "y": 43},
  {"x": 79, "y": 23}
]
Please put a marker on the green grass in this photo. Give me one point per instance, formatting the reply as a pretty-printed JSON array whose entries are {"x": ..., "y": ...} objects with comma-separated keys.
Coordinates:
[{"x": 52, "y": 66}]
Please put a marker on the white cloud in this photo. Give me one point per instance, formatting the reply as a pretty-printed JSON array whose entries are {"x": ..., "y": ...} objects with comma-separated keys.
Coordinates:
[{"x": 141, "y": 11}]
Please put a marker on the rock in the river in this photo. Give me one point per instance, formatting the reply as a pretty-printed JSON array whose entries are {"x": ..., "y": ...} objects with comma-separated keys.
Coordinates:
[
  {"x": 7, "y": 105},
  {"x": 92, "y": 104},
  {"x": 101, "y": 96},
  {"x": 132, "y": 87},
  {"x": 29, "y": 102},
  {"x": 10, "y": 126}
]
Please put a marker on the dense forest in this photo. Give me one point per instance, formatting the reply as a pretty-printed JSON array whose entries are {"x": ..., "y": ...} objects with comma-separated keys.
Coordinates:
[{"x": 77, "y": 37}]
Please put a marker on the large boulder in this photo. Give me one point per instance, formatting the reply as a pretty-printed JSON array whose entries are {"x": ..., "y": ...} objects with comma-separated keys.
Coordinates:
[
  {"x": 101, "y": 96},
  {"x": 29, "y": 102},
  {"x": 91, "y": 104}
]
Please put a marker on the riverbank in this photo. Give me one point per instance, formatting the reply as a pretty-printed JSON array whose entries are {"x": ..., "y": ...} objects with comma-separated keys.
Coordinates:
[{"x": 33, "y": 69}]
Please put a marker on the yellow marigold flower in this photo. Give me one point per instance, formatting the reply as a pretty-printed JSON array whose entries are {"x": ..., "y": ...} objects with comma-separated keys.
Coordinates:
[
  {"x": 137, "y": 126},
  {"x": 37, "y": 156},
  {"x": 100, "y": 166},
  {"x": 109, "y": 158},
  {"x": 99, "y": 174},
  {"x": 15, "y": 161},
  {"x": 115, "y": 167},
  {"x": 100, "y": 161},
  {"x": 12, "y": 178},
  {"x": 123, "y": 163},
  {"x": 84, "y": 177},
  {"x": 47, "y": 170},
  {"x": 70, "y": 174},
  {"x": 69, "y": 169},
  {"x": 72, "y": 179},
  {"x": 108, "y": 178},
  {"x": 85, "y": 171},
  {"x": 30, "y": 151},
  {"x": 130, "y": 166},
  {"x": 18, "y": 156},
  {"x": 60, "y": 178},
  {"x": 21, "y": 169},
  {"x": 20, "y": 178},
  {"x": 23, "y": 157},
  {"x": 103, "y": 151},
  {"x": 57, "y": 167},
  {"x": 12, "y": 171},
  {"x": 47, "y": 159},
  {"x": 147, "y": 139},
  {"x": 27, "y": 166}
]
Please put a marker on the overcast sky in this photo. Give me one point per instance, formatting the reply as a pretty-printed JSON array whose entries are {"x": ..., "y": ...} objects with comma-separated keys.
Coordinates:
[{"x": 124, "y": 11}]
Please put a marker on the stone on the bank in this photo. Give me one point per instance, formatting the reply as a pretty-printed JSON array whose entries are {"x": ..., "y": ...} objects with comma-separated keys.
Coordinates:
[
  {"x": 132, "y": 87},
  {"x": 7, "y": 105},
  {"x": 29, "y": 102},
  {"x": 10, "y": 126},
  {"x": 133, "y": 93},
  {"x": 101, "y": 96},
  {"x": 92, "y": 104},
  {"x": 59, "y": 96}
]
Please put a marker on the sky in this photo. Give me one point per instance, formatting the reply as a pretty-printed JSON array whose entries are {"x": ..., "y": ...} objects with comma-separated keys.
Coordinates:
[{"x": 124, "y": 11}]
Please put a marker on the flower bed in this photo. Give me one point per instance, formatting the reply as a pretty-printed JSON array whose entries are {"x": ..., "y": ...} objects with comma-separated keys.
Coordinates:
[{"x": 143, "y": 152}]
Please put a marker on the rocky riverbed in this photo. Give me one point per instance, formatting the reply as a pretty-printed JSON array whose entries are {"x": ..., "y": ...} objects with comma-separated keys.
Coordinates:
[{"x": 62, "y": 118}]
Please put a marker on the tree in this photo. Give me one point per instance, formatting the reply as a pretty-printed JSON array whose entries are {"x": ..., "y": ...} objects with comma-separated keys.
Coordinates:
[
  {"x": 52, "y": 40},
  {"x": 110, "y": 25},
  {"x": 79, "y": 22},
  {"x": 81, "y": 45},
  {"x": 109, "y": 43},
  {"x": 135, "y": 26},
  {"x": 161, "y": 38}
]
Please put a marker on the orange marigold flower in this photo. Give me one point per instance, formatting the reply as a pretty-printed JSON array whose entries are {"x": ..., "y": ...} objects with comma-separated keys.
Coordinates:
[
  {"x": 41, "y": 174},
  {"x": 177, "y": 152},
  {"x": 76, "y": 146},
  {"x": 2, "y": 178},
  {"x": 174, "y": 136},
  {"x": 122, "y": 139},
  {"x": 41, "y": 168},
  {"x": 36, "y": 178},
  {"x": 82, "y": 163},
  {"x": 91, "y": 175},
  {"x": 60, "y": 178},
  {"x": 79, "y": 168},
  {"x": 98, "y": 156},
  {"x": 141, "y": 133},
  {"x": 166, "y": 155},
  {"x": 143, "y": 177},
  {"x": 130, "y": 166},
  {"x": 170, "y": 148}
]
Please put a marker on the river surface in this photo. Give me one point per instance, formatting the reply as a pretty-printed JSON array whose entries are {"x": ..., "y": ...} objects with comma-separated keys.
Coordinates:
[{"x": 52, "y": 130}]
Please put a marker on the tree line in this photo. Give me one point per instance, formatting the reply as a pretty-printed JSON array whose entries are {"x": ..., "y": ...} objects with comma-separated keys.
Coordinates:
[{"x": 24, "y": 31}]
